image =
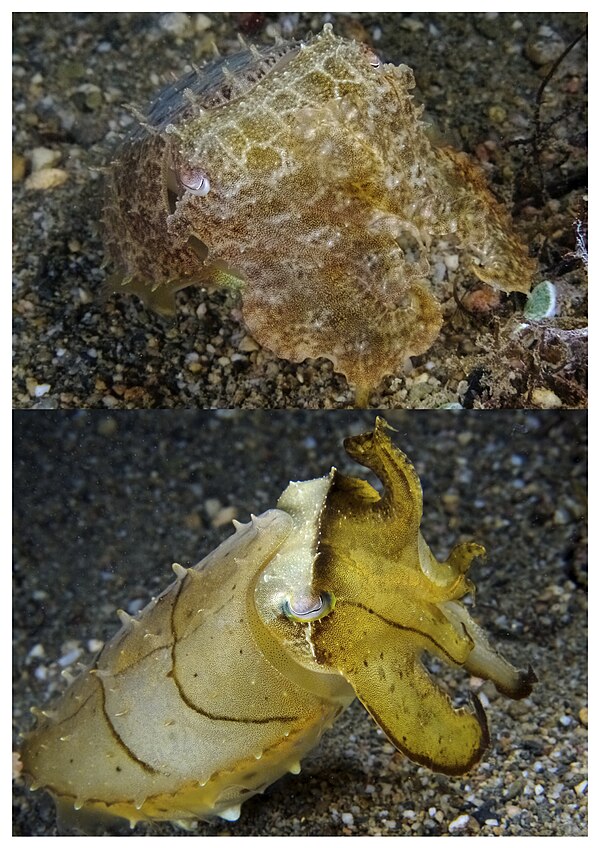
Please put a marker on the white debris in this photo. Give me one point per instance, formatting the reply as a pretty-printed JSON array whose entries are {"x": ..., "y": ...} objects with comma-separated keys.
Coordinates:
[{"x": 458, "y": 823}]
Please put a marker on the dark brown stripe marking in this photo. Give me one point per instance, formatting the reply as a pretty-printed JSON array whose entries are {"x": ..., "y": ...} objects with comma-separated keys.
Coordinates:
[
  {"x": 200, "y": 710},
  {"x": 403, "y": 627},
  {"x": 119, "y": 740}
]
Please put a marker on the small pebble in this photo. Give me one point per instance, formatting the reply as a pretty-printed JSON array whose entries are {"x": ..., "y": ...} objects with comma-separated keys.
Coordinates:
[
  {"x": 107, "y": 426},
  {"x": 202, "y": 22},
  {"x": 248, "y": 344},
  {"x": 451, "y": 501},
  {"x": 212, "y": 506},
  {"x": 458, "y": 823},
  {"x": 133, "y": 607},
  {"x": 69, "y": 658},
  {"x": 224, "y": 516},
  {"x": 37, "y": 651},
  {"x": 177, "y": 23},
  {"x": 18, "y": 168},
  {"x": 545, "y": 399},
  {"x": 541, "y": 302},
  {"x": 17, "y": 765},
  {"x": 481, "y": 300},
  {"x": 44, "y": 157},
  {"x": 348, "y": 819},
  {"x": 497, "y": 114},
  {"x": 561, "y": 517},
  {"x": 46, "y": 179},
  {"x": 544, "y": 47}
]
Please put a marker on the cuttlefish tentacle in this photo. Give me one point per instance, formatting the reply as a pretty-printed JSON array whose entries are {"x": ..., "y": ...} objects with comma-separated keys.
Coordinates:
[
  {"x": 484, "y": 661},
  {"x": 395, "y": 601},
  {"x": 392, "y": 684}
]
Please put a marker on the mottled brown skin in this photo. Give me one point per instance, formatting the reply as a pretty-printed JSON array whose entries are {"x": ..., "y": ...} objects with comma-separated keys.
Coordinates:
[{"x": 324, "y": 197}]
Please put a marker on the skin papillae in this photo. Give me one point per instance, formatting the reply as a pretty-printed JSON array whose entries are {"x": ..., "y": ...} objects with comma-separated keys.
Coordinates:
[
  {"x": 228, "y": 678},
  {"x": 303, "y": 176}
]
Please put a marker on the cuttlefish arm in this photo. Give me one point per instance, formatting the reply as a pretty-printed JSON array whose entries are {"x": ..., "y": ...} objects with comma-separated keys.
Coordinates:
[{"x": 393, "y": 602}]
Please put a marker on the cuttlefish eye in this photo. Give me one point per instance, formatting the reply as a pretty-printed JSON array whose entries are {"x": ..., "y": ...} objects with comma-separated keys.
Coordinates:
[
  {"x": 194, "y": 180},
  {"x": 373, "y": 58},
  {"x": 308, "y": 605}
]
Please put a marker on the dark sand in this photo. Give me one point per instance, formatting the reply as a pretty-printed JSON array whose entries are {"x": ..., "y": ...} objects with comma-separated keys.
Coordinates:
[
  {"x": 478, "y": 76},
  {"x": 104, "y": 503}
]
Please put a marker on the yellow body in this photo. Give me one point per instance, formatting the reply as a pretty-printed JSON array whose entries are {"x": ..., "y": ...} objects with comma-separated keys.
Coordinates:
[{"x": 226, "y": 680}]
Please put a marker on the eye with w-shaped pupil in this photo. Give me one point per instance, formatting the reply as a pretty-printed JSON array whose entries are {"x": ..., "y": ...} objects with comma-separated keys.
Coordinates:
[
  {"x": 308, "y": 605},
  {"x": 195, "y": 181}
]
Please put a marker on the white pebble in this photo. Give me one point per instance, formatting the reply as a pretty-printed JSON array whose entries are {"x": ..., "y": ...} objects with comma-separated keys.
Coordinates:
[
  {"x": 44, "y": 157},
  {"x": 133, "y": 607},
  {"x": 212, "y": 507},
  {"x": 70, "y": 658},
  {"x": 224, "y": 516},
  {"x": 37, "y": 651},
  {"x": 438, "y": 272},
  {"x": 485, "y": 701},
  {"x": 546, "y": 399},
  {"x": 202, "y": 22},
  {"x": 348, "y": 819},
  {"x": 41, "y": 390},
  {"x": 176, "y": 22},
  {"x": 561, "y": 516},
  {"x": 459, "y": 823}
]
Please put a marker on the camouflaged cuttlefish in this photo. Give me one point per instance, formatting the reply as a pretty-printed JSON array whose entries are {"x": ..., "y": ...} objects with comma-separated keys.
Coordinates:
[
  {"x": 227, "y": 679},
  {"x": 302, "y": 176}
]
